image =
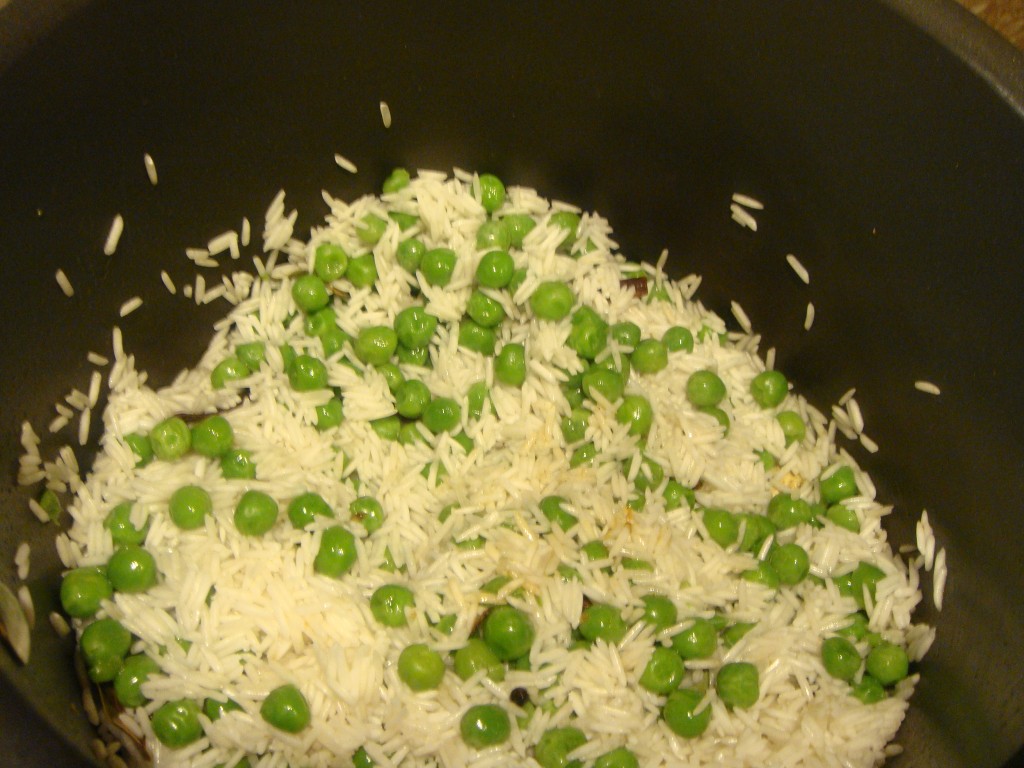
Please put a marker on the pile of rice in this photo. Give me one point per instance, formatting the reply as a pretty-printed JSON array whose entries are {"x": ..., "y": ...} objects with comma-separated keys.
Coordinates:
[{"x": 270, "y": 619}]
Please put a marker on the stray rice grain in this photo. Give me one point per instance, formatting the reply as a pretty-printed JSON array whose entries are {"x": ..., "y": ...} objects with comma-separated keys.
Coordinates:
[
  {"x": 130, "y": 306},
  {"x": 385, "y": 114},
  {"x": 64, "y": 283},
  {"x": 344, "y": 163},
  {"x": 809, "y": 317},
  {"x": 168, "y": 282},
  {"x": 927, "y": 387},
  {"x": 799, "y": 268},
  {"x": 147, "y": 160},
  {"x": 114, "y": 235}
]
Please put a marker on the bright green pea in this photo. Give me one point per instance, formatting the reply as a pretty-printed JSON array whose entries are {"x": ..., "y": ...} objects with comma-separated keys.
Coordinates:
[
  {"x": 840, "y": 485},
  {"x": 568, "y": 221},
  {"x": 255, "y": 513},
  {"x": 484, "y": 725},
  {"x": 868, "y": 690},
  {"x": 303, "y": 509},
  {"x": 635, "y": 411},
  {"x": 676, "y": 493},
  {"x": 171, "y": 439},
  {"x": 141, "y": 447},
  {"x": 659, "y": 611},
  {"x": 756, "y": 529},
  {"x": 736, "y": 632},
  {"x": 518, "y": 278},
  {"x": 588, "y": 336},
  {"x": 852, "y": 584},
  {"x": 252, "y": 354},
  {"x": 392, "y": 374},
  {"x": 387, "y": 428},
  {"x": 176, "y": 723},
  {"x": 389, "y": 603},
  {"x": 553, "y": 509},
  {"x": 215, "y": 709},
  {"x": 362, "y": 271},
  {"x": 678, "y": 339},
  {"x": 475, "y": 337},
  {"x": 584, "y": 455},
  {"x": 410, "y": 254},
  {"x": 722, "y": 526},
  {"x": 769, "y": 388},
  {"x": 135, "y": 670},
  {"x": 477, "y": 655},
  {"x": 698, "y": 641},
  {"x": 787, "y": 512},
  {"x": 415, "y": 327},
  {"x": 420, "y": 667},
  {"x": 330, "y": 414},
  {"x": 495, "y": 269},
  {"x": 517, "y": 226},
  {"x": 310, "y": 293},
  {"x": 131, "y": 569},
  {"x": 737, "y": 684},
  {"x": 626, "y": 335},
  {"x": 288, "y": 355},
  {"x": 764, "y": 574},
  {"x": 844, "y": 517},
  {"x": 574, "y": 426},
  {"x": 337, "y": 553},
  {"x": 509, "y": 632},
  {"x": 617, "y": 758},
  {"x": 229, "y": 369},
  {"x": 465, "y": 441},
  {"x": 119, "y": 522},
  {"x": 649, "y": 356},
  {"x": 484, "y": 310},
  {"x": 418, "y": 356},
  {"x": 189, "y": 506},
  {"x": 307, "y": 373},
  {"x": 409, "y": 433},
  {"x": 330, "y": 262},
  {"x": 793, "y": 427},
  {"x": 650, "y": 476},
  {"x": 238, "y": 464},
  {"x": 704, "y": 389},
  {"x": 555, "y": 745},
  {"x": 888, "y": 663},
  {"x": 664, "y": 671},
  {"x": 361, "y": 759},
  {"x": 437, "y": 266},
  {"x": 552, "y": 300},
  {"x": 212, "y": 437},
  {"x": 718, "y": 415},
  {"x": 600, "y": 621},
  {"x": 680, "y": 715},
  {"x": 493, "y": 235},
  {"x": 510, "y": 365},
  {"x": 396, "y": 180},
  {"x": 790, "y": 562},
  {"x": 595, "y": 550},
  {"x": 316, "y": 324},
  {"x": 604, "y": 382},
  {"x": 376, "y": 344},
  {"x": 404, "y": 220},
  {"x": 492, "y": 192},
  {"x": 371, "y": 229},
  {"x": 286, "y": 709},
  {"x": 83, "y": 590},
  {"x": 104, "y": 644},
  {"x": 411, "y": 398},
  {"x": 333, "y": 340},
  {"x": 368, "y": 511},
  {"x": 840, "y": 658},
  {"x": 442, "y": 414}
]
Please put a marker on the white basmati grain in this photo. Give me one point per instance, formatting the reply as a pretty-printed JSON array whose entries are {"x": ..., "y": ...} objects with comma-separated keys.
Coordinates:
[
  {"x": 97, "y": 359},
  {"x": 130, "y": 306},
  {"x": 809, "y": 317},
  {"x": 95, "y": 381},
  {"x": 385, "y": 114},
  {"x": 747, "y": 202},
  {"x": 27, "y": 605},
  {"x": 113, "y": 236},
  {"x": 246, "y": 231},
  {"x": 21, "y": 560},
  {"x": 927, "y": 387},
  {"x": 64, "y": 283},
  {"x": 344, "y": 163},
  {"x": 38, "y": 511},
  {"x": 59, "y": 624},
  {"x": 742, "y": 217},
  {"x": 147, "y": 160},
  {"x": 798, "y": 268},
  {"x": 225, "y": 241},
  {"x": 741, "y": 316},
  {"x": 939, "y": 579},
  {"x": 856, "y": 417},
  {"x": 869, "y": 445},
  {"x": 57, "y": 424},
  {"x": 197, "y": 254},
  {"x": 168, "y": 282},
  {"x": 84, "y": 424}
]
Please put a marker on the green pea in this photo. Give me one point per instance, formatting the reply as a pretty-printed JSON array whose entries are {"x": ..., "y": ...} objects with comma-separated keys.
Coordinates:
[
  {"x": 392, "y": 374},
  {"x": 396, "y": 180},
  {"x": 176, "y": 723},
  {"x": 588, "y": 336},
  {"x": 857, "y": 628},
  {"x": 229, "y": 369},
  {"x": 333, "y": 340},
  {"x": 510, "y": 365},
  {"x": 704, "y": 389},
  {"x": 678, "y": 339},
  {"x": 853, "y": 584},
  {"x": 104, "y": 644},
  {"x": 409, "y": 254},
  {"x": 493, "y": 235},
  {"x": 840, "y": 658},
  {"x": 868, "y": 690},
  {"x": 509, "y": 632},
  {"x": 316, "y": 324},
  {"x": 362, "y": 271},
  {"x": 664, "y": 671},
  {"x": 212, "y": 436},
  {"x": 583, "y": 456},
  {"x": 215, "y": 709},
  {"x": 756, "y": 530},
  {"x": 361, "y": 759},
  {"x": 477, "y": 655},
  {"x": 838, "y": 486},
  {"x": 387, "y": 428},
  {"x": 555, "y": 745},
  {"x": 135, "y": 670},
  {"x": 888, "y": 663},
  {"x": 737, "y": 684},
  {"x": 337, "y": 553},
  {"x": 604, "y": 382},
  {"x": 680, "y": 715},
  {"x": 484, "y": 725},
  {"x": 418, "y": 356},
  {"x": 307, "y": 373},
  {"x": 330, "y": 414},
  {"x": 568, "y": 221},
  {"x": 517, "y": 226},
  {"x": 389, "y": 603},
  {"x": 404, "y": 220},
  {"x": 553, "y": 509},
  {"x": 309, "y": 293},
  {"x": 595, "y": 550},
  {"x": 626, "y": 335},
  {"x": 790, "y": 562},
  {"x": 617, "y": 758},
  {"x": 786, "y": 512},
  {"x": 83, "y": 590},
  {"x": 171, "y": 439},
  {"x": 437, "y": 266},
  {"x": 141, "y": 446},
  {"x": 722, "y": 526},
  {"x": 255, "y": 513},
  {"x": 552, "y": 300},
  {"x": 369, "y": 512},
  {"x": 492, "y": 192},
  {"x": 475, "y": 337},
  {"x": 649, "y": 356},
  {"x": 410, "y": 433},
  {"x": 844, "y": 517},
  {"x": 769, "y": 388},
  {"x": 676, "y": 493},
  {"x": 330, "y": 262},
  {"x": 189, "y": 506},
  {"x": 659, "y": 611},
  {"x": 420, "y": 667},
  {"x": 600, "y": 621},
  {"x": 286, "y": 709},
  {"x": 635, "y": 411},
  {"x": 442, "y": 414},
  {"x": 131, "y": 569},
  {"x": 465, "y": 441},
  {"x": 371, "y": 229},
  {"x": 252, "y": 354},
  {"x": 698, "y": 641},
  {"x": 518, "y": 278},
  {"x": 288, "y": 355},
  {"x": 238, "y": 464},
  {"x": 495, "y": 269},
  {"x": 574, "y": 426},
  {"x": 484, "y": 310},
  {"x": 733, "y": 634},
  {"x": 793, "y": 428},
  {"x": 118, "y": 521},
  {"x": 764, "y": 574},
  {"x": 376, "y": 344},
  {"x": 415, "y": 327},
  {"x": 718, "y": 415}
]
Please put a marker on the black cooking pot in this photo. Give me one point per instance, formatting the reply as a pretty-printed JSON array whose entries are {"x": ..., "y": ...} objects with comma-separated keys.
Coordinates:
[{"x": 886, "y": 139}]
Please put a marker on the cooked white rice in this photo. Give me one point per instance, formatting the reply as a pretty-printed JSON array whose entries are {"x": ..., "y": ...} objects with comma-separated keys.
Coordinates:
[
  {"x": 147, "y": 160},
  {"x": 130, "y": 306},
  {"x": 114, "y": 235},
  {"x": 255, "y": 615},
  {"x": 798, "y": 267},
  {"x": 385, "y": 114},
  {"x": 65, "y": 285},
  {"x": 344, "y": 163},
  {"x": 927, "y": 387}
]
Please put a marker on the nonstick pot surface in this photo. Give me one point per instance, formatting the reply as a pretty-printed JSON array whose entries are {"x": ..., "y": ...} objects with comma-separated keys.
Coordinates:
[{"x": 890, "y": 165}]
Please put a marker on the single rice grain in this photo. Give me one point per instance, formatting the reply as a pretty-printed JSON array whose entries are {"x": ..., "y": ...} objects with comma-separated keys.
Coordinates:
[
  {"x": 114, "y": 235},
  {"x": 385, "y": 114},
  {"x": 798, "y": 268},
  {"x": 64, "y": 283},
  {"x": 927, "y": 387},
  {"x": 747, "y": 202},
  {"x": 809, "y": 317},
  {"x": 344, "y": 163},
  {"x": 147, "y": 160},
  {"x": 130, "y": 306},
  {"x": 168, "y": 282}
]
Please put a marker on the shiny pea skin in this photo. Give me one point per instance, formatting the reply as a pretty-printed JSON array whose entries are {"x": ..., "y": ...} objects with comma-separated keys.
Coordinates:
[
  {"x": 621, "y": 757},
  {"x": 517, "y": 226},
  {"x": 888, "y": 663},
  {"x": 636, "y": 412},
  {"x": 492, "y": 192},
  {"x": 793, "y": 428},
  {"x": 626, "y": 335},
  {"x": 764, "y": 574},
  {"x": 83, "y": 590},
  {"x": 659, "y": 611},
  {"x": 229, "y": 369},
  {"x": 410, "y": 254},
  {"x": 604, "y": 382},
  {"x": 600, "y": 621},
  {"x": 189, "y": 506},
  {"x": 131, "y": 569},
  {"x": 678, "y": 339},
  {"x": 389, "y": 603},
  {"x": 376, "y": 344},
  {"x": 212, "y": 437},
  {"x": 840, "y": 658},
  {"x": 420, "y": 667},
  {"x": 681, "y": 716},
  {"x": 437, "y": 266},
  {"x": 104, "y": 644},
  {"x": 588, "y": 336},
  {"x": 176, "y": 723},
  {"x": 306, "y": 373},
  {"x": 135, "y": 670},
  {"x": 337, "y": 553},
  {"x": 309, "y": 293},
  {"x": 330, "y": 414},
  {"x": 838, "y": 486},
  {"x": 362, "y": 271},
  {"x": 574, "y": 426},
  {"x": 371, "y": 228},
  {"x": 484, "y": 310},
  {"x": 368, "y": 512},
  {"x": 330, "y": 262},
  {"x": 171, "y": 439},
  {"x": 697, "y": 641},
  {"x": 442, "y": 414},
  {"x": 844, "y": 517},
  {"x": 737, "y": 684},
  {"x": 868, "y": 690},
  {"x": 676, "y": 493},
  {"x": 118, "y": 521},
  {"x": 255, "y": 513},
  {"x": 649, "y": 356},
  {"x": 552, "y": 300},
  {"x": 509, "y": 632},
  {"x": 476, "y": 655},
  {"x": 705, "y": 389},
  {"x": 569, "y": 222},
  {"x": 553, "y": 508},
  {"x": 286, "y": 709},
  {"x": 554, "y": 746},
  {"x": 769, "y": 388},
  {"x": 484, "y": 725},
  {"x": 510, "y": 365},
  {"x": 722, "y": 526},
  {"x": 238, "y": 464},
  {"x": 664, "y": 671},
  {"x": 495, "y": 269},
  {"x": 787, "y": 512},
  {"x": 415, "y": 327},
  {"x": 790, "y": 562},
  {"x": 476, "y": 337},
  {"x": 396, "y": 180}
]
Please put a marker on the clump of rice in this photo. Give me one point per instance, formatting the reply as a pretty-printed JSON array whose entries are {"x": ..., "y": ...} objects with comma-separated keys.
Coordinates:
[{"x": 234, "y": 616}]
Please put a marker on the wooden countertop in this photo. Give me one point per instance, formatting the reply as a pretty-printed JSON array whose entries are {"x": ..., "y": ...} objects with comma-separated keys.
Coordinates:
[{"x": 1006, "y": 16}]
